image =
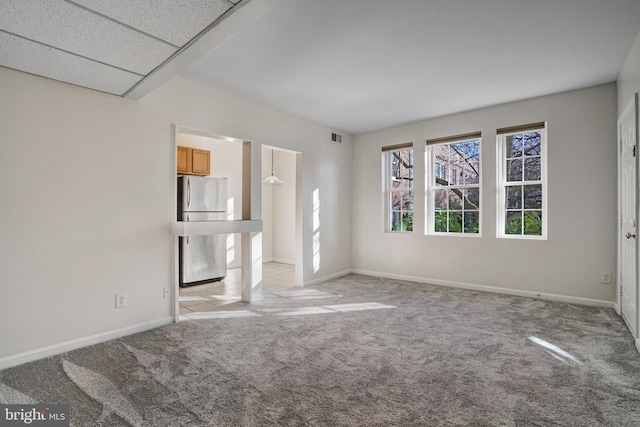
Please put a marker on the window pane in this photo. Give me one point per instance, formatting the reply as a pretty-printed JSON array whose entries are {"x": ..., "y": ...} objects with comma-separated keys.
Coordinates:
[
  {"x": 531, "y": 145},
  {"x": 399, "y": 184},
  {"x": 455, "y": 199},
  {"x": 455, "y": 222},
  {"x": 472, "y": 173},
  {"x": 440, "y": 222},
  {"x": 513, "y": 222},
  {"x": 438, "y": 169},
  {"x": 442, "y": 174},
  {"x": 471, "y": 222},
  {"x": 533, "y": 223},
  {"x": 532, "y": 169},
  {"x": 514, "y": 197},
  {"x": 468, "y": 150},
  {"x": 514, "y": 146},
  {"x": 395, "y": 200},
  {"x": 402, "y": 200},
  {"x": 395, "y": 221},
  {"x": 471, "y": 198},
  {"x": 458, "y": 150},
  {"x": 533, "y": 196},
  {"x": 441, "y": 153},
  {"x": 407, "y": 201},
  {"x": 514, "y": 170},
  {"x": 440, "y": 199},
  {"x": 457, "y": 173}
]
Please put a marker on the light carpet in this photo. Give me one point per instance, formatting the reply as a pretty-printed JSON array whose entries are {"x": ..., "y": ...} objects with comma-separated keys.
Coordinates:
[{"x": 354, "y": 351}]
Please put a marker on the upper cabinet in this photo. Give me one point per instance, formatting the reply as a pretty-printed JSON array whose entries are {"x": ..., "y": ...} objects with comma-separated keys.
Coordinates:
[
  {"x": 193, "y": 161},
  {"x": 184, "y": 159}
]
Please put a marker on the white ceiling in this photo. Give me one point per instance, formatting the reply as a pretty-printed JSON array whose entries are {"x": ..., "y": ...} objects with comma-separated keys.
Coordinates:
[
  {"x": 107, "y": 45},
  {"x": 355, "y": 65},
  {"x": 360, "y": 65}
]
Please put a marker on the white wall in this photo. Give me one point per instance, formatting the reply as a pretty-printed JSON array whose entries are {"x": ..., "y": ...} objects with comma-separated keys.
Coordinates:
[
  {"x": 87, "y": 183},
  {"x": 629, "y": 78},
  {"x": 86, "y": 213},
  {"x": 267, "y": 208},
  {"x": 581, "y": 199},
  {"x": 283, "y": 208},
  {"x": 225, "y": 162}
]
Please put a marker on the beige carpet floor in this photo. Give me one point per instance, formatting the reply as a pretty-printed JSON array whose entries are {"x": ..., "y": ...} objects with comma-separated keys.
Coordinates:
[{"x": 354, "y": 351}]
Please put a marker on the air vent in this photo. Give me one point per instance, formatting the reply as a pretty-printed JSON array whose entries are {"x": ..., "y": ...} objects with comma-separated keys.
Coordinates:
[{"x": 336, "y": 138}]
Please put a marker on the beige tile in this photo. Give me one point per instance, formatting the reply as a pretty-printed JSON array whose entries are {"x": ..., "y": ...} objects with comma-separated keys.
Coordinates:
[
  {"x": 275, "y": 277},
  {"x": 224, "y": 301},
  {"x": 202, "y": 307},
  {"x": 192, "y": 303},
  {"x": 184, "y": 310}
]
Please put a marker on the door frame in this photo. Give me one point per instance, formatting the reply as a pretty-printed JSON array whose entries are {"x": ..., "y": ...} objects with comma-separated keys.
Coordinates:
[
  {"x": 299, "y": 243},
  {"x": 633, "y": 105},
  {"x": 249, "y": 249}
]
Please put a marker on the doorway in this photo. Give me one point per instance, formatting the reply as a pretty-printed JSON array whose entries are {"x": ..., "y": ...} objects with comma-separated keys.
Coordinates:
[
  {"x": 225, "y": 161},
  {"x": 628, "y": 212},
  {"x": 281, "y": 212}
]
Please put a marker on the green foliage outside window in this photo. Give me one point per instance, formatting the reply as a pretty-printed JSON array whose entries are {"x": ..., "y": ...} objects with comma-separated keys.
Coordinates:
[
  {"x": 406, "y": 224},
  {"x": 458, "y": 222},
  {"x": 532, "y": 224}
]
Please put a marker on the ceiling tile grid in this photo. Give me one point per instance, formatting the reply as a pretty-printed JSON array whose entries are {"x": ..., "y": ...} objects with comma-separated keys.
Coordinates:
[
  {"x": 72, "y": 29},
  {"x": 177, "y": 22},
  {"x": 108, "y": 46},
  {"x": 34, "y": 58}
]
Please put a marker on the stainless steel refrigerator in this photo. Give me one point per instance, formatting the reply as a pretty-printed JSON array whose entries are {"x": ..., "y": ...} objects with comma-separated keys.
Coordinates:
[{"x": 203, "y": 259}]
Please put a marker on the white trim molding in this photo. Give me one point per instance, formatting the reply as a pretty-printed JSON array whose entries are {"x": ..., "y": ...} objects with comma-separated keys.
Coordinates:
[
  {"x": 325, "y": 278},
  {"x": 52, "y": 350},
  {"x": 493, "y": 289}
]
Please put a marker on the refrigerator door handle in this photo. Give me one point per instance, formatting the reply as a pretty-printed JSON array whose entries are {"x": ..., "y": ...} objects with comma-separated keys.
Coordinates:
[{"x": 188, "y": 192}]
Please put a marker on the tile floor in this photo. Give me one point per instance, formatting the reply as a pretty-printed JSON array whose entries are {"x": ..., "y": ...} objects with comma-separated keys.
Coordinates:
[{"x": 275, "y": 277}]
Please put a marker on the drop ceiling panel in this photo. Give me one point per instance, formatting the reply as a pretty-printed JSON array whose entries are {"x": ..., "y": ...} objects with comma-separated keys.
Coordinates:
[
  {"x": 34, "y": 58},
  {"x": 175, "y": 22},
  {"x": 76, "y": 30}
]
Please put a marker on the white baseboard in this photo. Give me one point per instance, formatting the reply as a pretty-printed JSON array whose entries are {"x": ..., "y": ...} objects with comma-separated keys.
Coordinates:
[
  {"x": 494, "y": 289},
  {"x": 325, "y": 278},
  {"x": 616, "y": 307},
  {"x": 52, "y": 350},
  {"x": 638, "y": 344}
]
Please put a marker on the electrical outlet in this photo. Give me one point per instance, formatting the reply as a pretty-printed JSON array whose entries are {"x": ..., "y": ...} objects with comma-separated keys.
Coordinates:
[
  {"x": 121, "y": 300},
  {"x": 165, "y": 292},
  {"x": 606, "y": 277}
]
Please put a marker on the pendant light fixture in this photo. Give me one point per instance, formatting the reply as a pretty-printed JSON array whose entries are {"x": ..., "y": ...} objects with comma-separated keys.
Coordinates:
[{"x": 272, "y": 179}]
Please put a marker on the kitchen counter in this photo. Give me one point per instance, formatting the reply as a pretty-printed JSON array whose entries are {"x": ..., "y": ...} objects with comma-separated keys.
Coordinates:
[{"x": 200, "y": 228}]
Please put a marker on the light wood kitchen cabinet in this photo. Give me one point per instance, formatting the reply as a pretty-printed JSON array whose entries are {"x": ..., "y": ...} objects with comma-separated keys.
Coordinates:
[
  {"x": 193, "y": 161},
  {"x": 184, "y": 159},
  {"x": 200, "y": 161}
]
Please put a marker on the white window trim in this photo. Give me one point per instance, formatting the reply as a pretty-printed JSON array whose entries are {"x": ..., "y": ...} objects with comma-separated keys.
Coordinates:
[
  {"x": 430, "y": 181},
  {"x": 501, "y": 181}
]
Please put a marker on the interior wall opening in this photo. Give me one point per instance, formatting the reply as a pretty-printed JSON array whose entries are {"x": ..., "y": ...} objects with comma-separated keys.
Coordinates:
[
  {"x": 280, "y": 215},
  {"x": 207, "y": 159}
]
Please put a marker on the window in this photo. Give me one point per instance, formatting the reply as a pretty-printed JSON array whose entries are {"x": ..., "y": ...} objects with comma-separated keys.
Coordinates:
[
  {"x": 522, "y": 206},
  {"x": 453, "y": 184},
  {"x": 398, "y": 160}
]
